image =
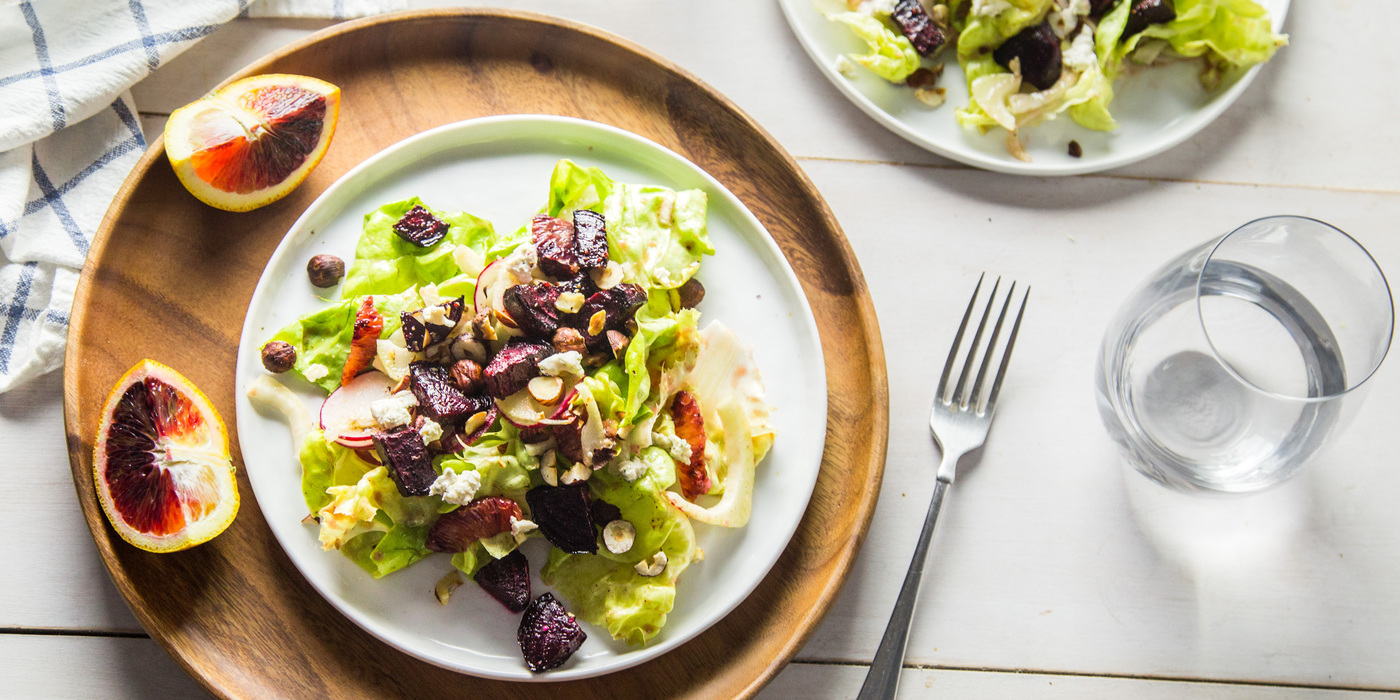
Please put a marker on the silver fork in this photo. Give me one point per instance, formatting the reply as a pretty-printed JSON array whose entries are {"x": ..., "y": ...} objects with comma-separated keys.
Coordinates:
[{"x": 960, "y": 421}]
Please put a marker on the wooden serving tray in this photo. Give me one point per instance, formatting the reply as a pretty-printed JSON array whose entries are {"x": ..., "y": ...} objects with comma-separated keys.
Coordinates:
[{"x": 170, "y": 279}]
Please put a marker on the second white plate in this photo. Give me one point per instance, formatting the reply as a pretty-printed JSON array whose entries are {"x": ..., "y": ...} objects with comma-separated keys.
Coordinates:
[{"x": 1156, "y": 109}]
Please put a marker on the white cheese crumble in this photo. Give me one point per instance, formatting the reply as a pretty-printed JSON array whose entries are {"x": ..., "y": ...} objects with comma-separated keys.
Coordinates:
[
  {"x": 315, "y": 372},
  {"x": 431, "y": 431},
  {"x": 678, "y": 449},
  {"x": 876, "y": 7},
  {"x": 989, "y": 8},
  {"x": 429, "y": 294},
  {"x": 844, "y": 66},
  {"x": 393, "y": 411},
  {"x": 562, "y": 363},
  {"x": 520, "y": 263},
  {"x": 1080, "y": 55},
  {"x": 1064, "y": 19},
  {"x": 629, "y": 468},
  {"x": 437, "y": 316},
  {"x": 520, "y": 528},
  {"x": 456, "y": 488}
]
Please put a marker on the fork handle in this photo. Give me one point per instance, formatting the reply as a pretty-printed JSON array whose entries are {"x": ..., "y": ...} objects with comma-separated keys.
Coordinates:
[{"x": 882, "y": 681}]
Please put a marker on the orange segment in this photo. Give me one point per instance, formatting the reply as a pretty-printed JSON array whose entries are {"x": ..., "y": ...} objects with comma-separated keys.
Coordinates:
[
  {"x": 161, "y": 462},
  {"x": 254, "y": 141}
]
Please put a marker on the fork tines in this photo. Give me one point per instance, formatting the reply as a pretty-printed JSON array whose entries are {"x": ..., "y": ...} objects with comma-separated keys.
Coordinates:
[{"x": 974, "y": 399}]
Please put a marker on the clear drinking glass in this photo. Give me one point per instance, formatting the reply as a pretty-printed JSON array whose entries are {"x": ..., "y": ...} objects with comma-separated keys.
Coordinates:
[{"x": 1233, "y": 363}]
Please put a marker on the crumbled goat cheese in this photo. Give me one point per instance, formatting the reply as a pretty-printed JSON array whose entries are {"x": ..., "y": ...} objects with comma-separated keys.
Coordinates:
[
  {"x": 1064, "y": 19},
  {"x": 678, "y": 449},
  {"x": 456, "y": 488},
  {"x": 630, "y": 468},
  {"x": 876, "y": 7},
  {"x": 431, "y": 431},
  {"x": 1080, "y": 54},
  {"x": 562, "y": 363},
  {"x": 521, "y": 262},
  {"x": 520, "y": 528},
  {"x": 989, "y": 8},
  {"x": 315, "y": 372},
  {"x": 437, "y": 316},
  {"x": 393, "y": 411}
]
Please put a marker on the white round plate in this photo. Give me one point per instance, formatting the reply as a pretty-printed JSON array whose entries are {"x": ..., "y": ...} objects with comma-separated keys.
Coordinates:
[
  {"x": 498, "y": 168},
  {"x": 1156, "y": 108}
]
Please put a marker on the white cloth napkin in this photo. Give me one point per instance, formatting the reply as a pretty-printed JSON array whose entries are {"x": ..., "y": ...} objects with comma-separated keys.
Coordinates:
[{"x": 69, "y": 135}]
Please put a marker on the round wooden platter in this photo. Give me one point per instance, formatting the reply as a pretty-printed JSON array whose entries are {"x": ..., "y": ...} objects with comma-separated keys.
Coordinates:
[{"x": 169, "y": 278}]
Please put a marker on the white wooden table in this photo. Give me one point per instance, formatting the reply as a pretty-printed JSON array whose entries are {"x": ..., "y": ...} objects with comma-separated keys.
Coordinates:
[{"x": 1056, "y": 573}]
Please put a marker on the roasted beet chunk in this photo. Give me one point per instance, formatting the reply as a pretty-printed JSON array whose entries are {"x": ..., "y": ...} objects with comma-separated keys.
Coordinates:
[
  {"x": 580, "y": 284},
  {"x": 554, "y": 242},
  {"x": 437, "y": 395},
  {"x": 1100, "y": 7},
  {"x": 617, "y": 304},
  {"x": 420, "y": 227},
  {"x": 402, "y": 449},
  {"x": 1039, "y": 52},
  {"x": 484, "y": 517},
  {"x": 918, "y": 27},
  {"x": 563, "y": 515},
  {"x": 507, "y": 580},
  {"x": 532, "y": 307},
  {"x": 548, "y": 634},
  {"x": 604, "y": 512},
  {"x": 1146, "y": 13},
  {"x": 419, "y": 333},
  {"x": 590, "y": 239},
  {"x": 514, "y": 366}
]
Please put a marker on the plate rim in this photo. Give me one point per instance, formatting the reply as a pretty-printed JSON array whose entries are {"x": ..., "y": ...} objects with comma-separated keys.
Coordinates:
[
  {"x": 871, "y": 452},
  {"x": 1204, "y": 117},
  {"x": 370, "y": 173}
]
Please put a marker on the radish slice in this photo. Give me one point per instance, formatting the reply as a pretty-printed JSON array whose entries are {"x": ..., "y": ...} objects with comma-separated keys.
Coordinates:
[
  {"x": 345, "y": 415},
  {"x": 491, "y": 286}
]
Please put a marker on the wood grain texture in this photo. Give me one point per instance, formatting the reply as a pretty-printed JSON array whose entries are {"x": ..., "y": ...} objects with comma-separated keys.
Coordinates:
[{"x": 169, "y": 278}]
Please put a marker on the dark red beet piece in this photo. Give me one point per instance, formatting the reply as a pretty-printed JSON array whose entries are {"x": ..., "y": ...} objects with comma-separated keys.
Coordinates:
[
  {"x": 437, "y": 395},
  {"x": 604, "y": 512},
  {"x": 532, "y": 307},
  {"x": 548, "y": 634},
  {"x": 419, "y": 334},
  {"x": 1098, "y": 8},
  {"x": 514, "y": 366},
  {"x": 1039, "y": 51},
  {"x": 420, "y": 227},
  {"x": 508, "y": 580},
  {"x": 484, "y": 517},
  {"x": 1146, "y": 13},
  {"x": 563, "y": 515},
  {"x": 618, "y": 303},
  {"x": 918, "y": 27},
  {"x": 580, "y": 283},
  {"x": 568, "y": 439},
  {"x": 554, "y": 243},
  {"x": 590, "y": 239},
  {"x": 402, "y": 449}
]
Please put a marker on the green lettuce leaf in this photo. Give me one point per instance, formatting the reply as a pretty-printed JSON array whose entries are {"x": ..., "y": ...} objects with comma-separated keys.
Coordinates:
[
  {"x": 323, "y": 337},
  {"x": 574, "y": 187},
  {"x": 605, "y": 589},
  {"x": 665, "y": 339},
  {"x": 656, "y": 233},
  {"x": 889, "y": 54},
  {"x": 385, "y": 263},
  {"x": 471, "y": 561},
  {"x": 1232, "y": 35},
  {"x": 500, "y": 458},
  {"x": 383, "y": 553}
]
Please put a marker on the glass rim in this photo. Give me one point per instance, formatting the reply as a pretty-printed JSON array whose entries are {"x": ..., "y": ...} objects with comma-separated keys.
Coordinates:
[{"x": 1215, "y": 352}]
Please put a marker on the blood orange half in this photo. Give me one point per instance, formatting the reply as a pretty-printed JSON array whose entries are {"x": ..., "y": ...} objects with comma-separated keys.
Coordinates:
[
  {"x": 254, "y": 141},
  {"x": 161, "y": 462}
]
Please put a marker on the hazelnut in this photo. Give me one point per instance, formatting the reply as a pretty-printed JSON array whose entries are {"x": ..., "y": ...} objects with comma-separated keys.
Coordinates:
[
  {"x": 692, "y": 292},
  {"x": 278, "y": 356},
  {"x": 924, "y": 77},
  {"x": 566, "y": 339},
  {"x": 482, "y": 328},
  {"x": 325, "y": 270},
  {"x": 618, "y": 342},
  {"x": 653, "y": 565},
  {"x": 467, "y": 375},
  {"x": 597, "y": 322}
]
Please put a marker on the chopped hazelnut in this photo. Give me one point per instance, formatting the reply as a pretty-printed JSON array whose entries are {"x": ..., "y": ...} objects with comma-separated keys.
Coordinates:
[
  {"x": 618, "y": 342},
  {"x": 566, "y": 339},
  {"x": 692, "y": 292},
  {"x": 597, "y": 322},
  {"x": 278, "y": 356},
  {"x": 482, "y": 328},
  {"x": 467, "y": 375},
  {"x": 325, "y": 270}
]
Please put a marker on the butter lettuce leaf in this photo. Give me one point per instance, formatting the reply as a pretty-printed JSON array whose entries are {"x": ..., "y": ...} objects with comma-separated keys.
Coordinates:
[
  {"x": 322, "y": 338},
  {"x": 889, "y": 54},
  {"x": 573, "y": 187},
  {"x": 385, "y": 263},
  {"x": 656, "y": 233},
  {"x": 665, "y": 346}
]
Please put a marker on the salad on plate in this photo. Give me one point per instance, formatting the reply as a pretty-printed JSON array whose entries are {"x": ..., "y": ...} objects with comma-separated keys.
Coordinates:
[
  {"x": 1026, "y": 61},
  {"x": 484, "y": 388}
]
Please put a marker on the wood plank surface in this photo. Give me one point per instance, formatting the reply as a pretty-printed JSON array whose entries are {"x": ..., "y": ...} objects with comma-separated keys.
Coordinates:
[
  {"x": 1045, "y": 525},
  {"x": 170, "y": 278}
]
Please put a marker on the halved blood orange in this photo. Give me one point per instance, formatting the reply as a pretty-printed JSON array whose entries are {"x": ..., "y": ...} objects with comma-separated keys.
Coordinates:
[
  {"x": 161, "y": 462},
  {"x": 253, "y": 141}
]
